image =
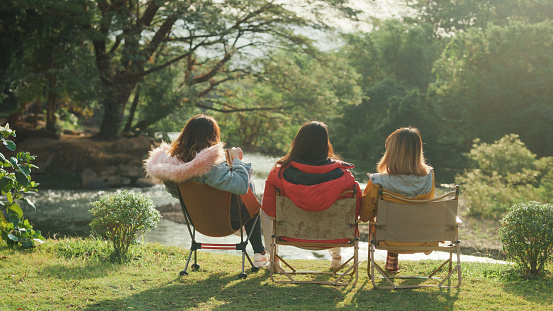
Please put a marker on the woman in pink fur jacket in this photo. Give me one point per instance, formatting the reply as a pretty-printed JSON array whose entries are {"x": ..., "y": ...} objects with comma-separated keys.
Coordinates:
[{"x": 198, "y": 155}]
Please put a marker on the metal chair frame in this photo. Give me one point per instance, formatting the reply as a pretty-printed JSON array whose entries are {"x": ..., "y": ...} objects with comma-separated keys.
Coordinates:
[
  {"x": 290, "y": 273},
  {"x": 195, "y": 245},
  {"x": 452, "y": 231}
]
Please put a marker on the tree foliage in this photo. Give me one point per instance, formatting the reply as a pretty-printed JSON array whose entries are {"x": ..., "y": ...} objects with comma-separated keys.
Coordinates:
[
  {"x": 395, "y": 61},
  {"x": 133, "y": 39},
  {"x": 527, "y": 236},
  {"x": 291, "y": 88},
  {"x": 497, "y": 81},
  {"x": 462, "y": 15},
  {"x": 15, "y": 181},
  {"x": 502, "y": 174},
  {"x": 42, "y": 44}
]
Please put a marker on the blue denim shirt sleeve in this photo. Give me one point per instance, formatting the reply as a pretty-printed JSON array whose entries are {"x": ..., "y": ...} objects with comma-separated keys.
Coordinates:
[{"x": 221, "y": 177}]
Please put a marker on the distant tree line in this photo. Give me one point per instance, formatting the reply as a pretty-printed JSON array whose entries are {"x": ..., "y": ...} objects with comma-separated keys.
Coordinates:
[{"x": 459, "y": 70}]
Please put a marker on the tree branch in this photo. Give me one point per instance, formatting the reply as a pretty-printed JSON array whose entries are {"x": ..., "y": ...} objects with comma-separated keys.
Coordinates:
[
  {"x": 161, "y": 33},
  {"x": 148, "y": 15},
  {"x": 200, "y": 105},
  {"x": 210, "y": 74}
]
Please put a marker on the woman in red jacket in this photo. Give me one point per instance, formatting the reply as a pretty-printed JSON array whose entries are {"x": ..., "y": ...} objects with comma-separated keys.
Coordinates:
[{"x": 310, "y": 175}]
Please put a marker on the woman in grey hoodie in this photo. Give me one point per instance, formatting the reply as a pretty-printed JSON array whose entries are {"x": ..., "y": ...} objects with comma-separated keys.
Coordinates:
[{"x": 402, "y": 171}]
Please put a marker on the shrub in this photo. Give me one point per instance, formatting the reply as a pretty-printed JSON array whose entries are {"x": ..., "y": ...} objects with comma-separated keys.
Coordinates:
[
  {"x": 527, "y": 235},
  {"x": 503, "y": 174},
  {"x": 121, "y": 217},
  {"x": 15, "y": 181}
]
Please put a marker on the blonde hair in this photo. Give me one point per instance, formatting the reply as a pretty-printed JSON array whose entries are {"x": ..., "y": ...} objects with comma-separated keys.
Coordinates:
[{"x": 404, "y": 154}]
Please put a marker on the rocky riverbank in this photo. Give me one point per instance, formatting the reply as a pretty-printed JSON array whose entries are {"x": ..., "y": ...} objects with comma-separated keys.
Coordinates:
[{"x": 81, "y": 162}]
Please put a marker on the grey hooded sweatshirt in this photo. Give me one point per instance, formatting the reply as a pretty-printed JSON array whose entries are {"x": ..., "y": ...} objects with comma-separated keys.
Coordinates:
[{"x": 407, "y": 185}]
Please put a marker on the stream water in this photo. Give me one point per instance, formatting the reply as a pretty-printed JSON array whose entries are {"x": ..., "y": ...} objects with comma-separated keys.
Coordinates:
[{"x": 66, "y": 212}]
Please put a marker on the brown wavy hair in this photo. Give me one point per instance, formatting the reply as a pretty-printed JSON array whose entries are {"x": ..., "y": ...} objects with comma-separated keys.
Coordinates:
[
  {"x": 310, "y": 144},
  {"x": 199, "y": 133},
  {"x": 404, "y": 154}
]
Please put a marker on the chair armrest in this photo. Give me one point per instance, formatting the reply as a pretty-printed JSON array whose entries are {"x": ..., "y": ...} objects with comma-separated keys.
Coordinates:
[
  {"x": 272, "y": 218},
  {"x": 459, "y": 221}
]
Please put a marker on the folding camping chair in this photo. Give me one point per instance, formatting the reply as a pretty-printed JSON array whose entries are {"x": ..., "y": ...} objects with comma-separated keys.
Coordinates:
[
  {"x": 207, "y": 210},
  {"x": 339, "y": 221},
  {"x": 433, "y": 220}
]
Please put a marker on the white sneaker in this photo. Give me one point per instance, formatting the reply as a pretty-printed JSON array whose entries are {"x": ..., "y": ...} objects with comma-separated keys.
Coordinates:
[
  {"x": 260, "y": 260},
  {"x": 336, "y": 263}
]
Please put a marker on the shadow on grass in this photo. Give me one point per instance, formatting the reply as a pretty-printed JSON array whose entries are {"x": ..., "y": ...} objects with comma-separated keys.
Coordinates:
[
  {"x": 535, "y": 290},
  {"x": 72, "y": 272},
  {"x": 406, "y": 299},
  {"x": 213, "y": 291}
]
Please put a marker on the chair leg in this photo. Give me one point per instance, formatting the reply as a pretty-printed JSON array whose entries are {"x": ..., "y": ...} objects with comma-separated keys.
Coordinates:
[
  {"x": 243, "y": 274},
  {"x": 184, "y": 272},
  {"x": 459, "y": 277},
  {"x": 369, "y": 261}
]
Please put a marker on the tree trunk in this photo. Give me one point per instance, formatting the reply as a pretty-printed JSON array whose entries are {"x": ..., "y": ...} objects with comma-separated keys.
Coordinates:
[
  {"x": 36, "y": 107},
  {"x": 133, "y": 109},
  {"x": 51, "y": 103},
  {"x": 114, "y": 101}
]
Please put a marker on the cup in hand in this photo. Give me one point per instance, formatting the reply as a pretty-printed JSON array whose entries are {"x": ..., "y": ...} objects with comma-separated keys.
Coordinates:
[{"x": 236, "y": 153}]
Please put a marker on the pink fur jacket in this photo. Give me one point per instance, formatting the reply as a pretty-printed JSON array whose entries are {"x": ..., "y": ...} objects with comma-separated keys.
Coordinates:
[{"x": 161, "y": 167}]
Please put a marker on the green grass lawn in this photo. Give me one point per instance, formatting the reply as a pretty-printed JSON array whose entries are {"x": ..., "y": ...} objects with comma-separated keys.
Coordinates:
[{"x": 74, "y": 274}]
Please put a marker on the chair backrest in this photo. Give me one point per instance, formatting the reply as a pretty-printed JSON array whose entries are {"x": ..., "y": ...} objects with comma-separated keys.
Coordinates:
[
  {"x": 336, "y": 222},
  {"x": 414, "y": 221},
  {"x": 208, "y": 208}
]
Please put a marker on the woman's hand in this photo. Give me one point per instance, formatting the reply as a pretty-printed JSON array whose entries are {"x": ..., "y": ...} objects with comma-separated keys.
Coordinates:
[{"x": 236, "y": 153}]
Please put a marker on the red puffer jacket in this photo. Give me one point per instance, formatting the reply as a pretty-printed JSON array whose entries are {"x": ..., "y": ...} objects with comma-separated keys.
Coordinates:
[{"x": 310, "y": 187}]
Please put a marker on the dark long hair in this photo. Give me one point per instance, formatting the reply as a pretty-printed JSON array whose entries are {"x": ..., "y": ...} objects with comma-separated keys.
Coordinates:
[
  {"x": 310, "y": 144},
  {"x": 200, "y": 132}
]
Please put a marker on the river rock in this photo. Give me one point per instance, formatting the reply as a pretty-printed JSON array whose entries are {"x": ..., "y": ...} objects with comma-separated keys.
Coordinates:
[
  {"x": 144, "y": 182},
  {"x": 107, "y": 172},
  {"x": 91, "y": 180},
  {"x": 93, "y": 160},
  {"x": 118, "y": 181},
  {"x": 130, "y": 171}
]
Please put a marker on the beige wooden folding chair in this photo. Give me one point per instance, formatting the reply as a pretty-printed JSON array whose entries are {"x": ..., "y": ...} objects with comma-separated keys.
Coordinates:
[
  {"x": 338, "y": 222},
  {"x": 414, "y": 221},
  {"x": 207, "y": 210}
]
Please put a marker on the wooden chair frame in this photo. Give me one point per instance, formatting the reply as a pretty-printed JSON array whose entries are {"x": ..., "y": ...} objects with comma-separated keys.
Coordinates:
[
  {"x": 207, "y": 210},
  {"x": 425, "y": 227},
  {"x": 313, "y": 226}
]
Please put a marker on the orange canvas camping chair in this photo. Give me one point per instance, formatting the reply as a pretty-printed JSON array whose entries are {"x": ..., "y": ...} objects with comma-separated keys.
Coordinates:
[
  {"x": 207, "y": 210},
  {"x": 338, "y": 222},
  {"x": 434, "y": 220}
]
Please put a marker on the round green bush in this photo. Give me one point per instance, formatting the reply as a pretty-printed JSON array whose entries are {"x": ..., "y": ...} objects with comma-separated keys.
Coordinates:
[
  {"x": 527, "y": 235},
  {"x": 121, "y": 217}
]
